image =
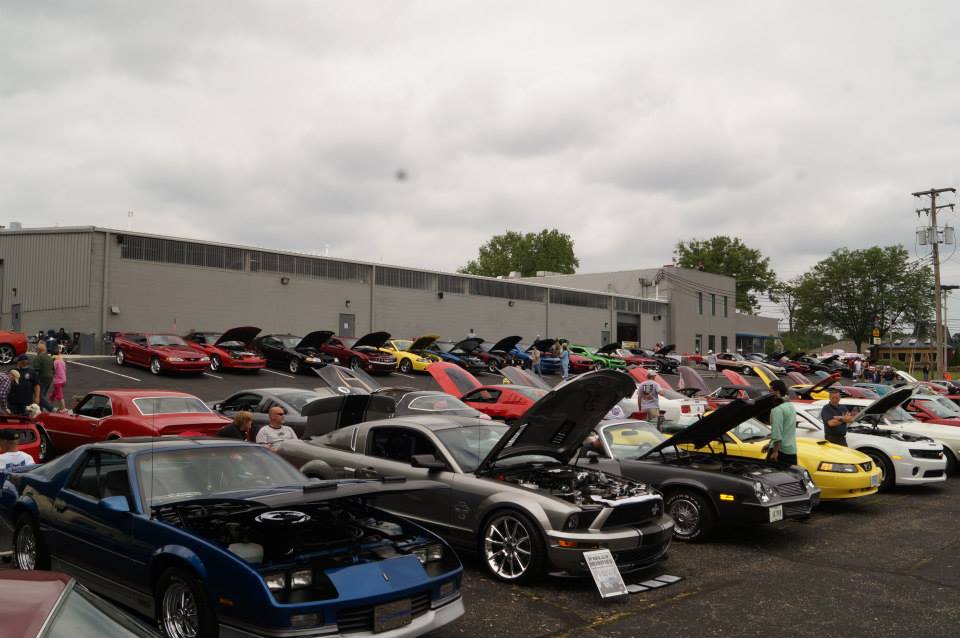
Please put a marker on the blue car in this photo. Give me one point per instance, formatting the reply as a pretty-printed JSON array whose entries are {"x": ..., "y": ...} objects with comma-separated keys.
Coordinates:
[
  {"x": 215, "y": 537},
  {"x": 549, "y": 364}
]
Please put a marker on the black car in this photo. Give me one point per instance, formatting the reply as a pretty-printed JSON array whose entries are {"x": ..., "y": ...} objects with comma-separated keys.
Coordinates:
[
  {"x": 460, "y": 353},
  {"x": 294, "y": 353},
  {"x": 665, "y": 364},
  {"x": 499, "y": 354},
  {"x": 703, "y": 490}
]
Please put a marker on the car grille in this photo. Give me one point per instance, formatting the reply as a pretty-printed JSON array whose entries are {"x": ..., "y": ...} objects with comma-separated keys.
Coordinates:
[
  {"x": 791, "y": 489},
  {"x": 926, "y": 454},
  {"x": 796, "y": 509},
  {"x": 634, "y": 513},
  {"x": 867, "y": 466},
  {"x": 933, "y": 474},
  {"x": 356, "y": 619}
]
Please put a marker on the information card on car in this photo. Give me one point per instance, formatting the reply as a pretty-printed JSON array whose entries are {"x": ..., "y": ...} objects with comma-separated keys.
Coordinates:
[{"x": 605, "y": 573}]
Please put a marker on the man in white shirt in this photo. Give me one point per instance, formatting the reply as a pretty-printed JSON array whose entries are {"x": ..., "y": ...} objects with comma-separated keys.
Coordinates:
[
  {"x": 10, "y": 456},
  {"x": 649, "y": 401},
  {"x": 275, "y": 431}
]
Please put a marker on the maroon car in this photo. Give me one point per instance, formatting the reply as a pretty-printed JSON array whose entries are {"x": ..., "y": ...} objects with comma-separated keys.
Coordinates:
[
  {"x": 363, "y": 353},
  {"x": 159, "y": 353},
  {"x": 36, "y": 603},
  {"x": 231, "y": 350}
]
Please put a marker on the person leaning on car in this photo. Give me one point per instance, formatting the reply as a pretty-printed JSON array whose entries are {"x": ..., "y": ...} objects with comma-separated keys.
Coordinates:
[
  {"x": 836, "y": 417},
  {"x": 240, "y": 428},
  {"x": 275, "y": 431},
  {"x": 783, "y": 428}
]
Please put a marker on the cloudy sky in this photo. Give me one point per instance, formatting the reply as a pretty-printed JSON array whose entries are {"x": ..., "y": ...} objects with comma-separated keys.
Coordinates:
[{"x": 799, "y": 127}]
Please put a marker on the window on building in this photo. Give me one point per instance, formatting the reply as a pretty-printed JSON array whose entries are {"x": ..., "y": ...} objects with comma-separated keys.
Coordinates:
[
  {"x": 725, "y": 313},
  {"x": 723, "y": 343},
  {"x": 700, "y": 302},
  {"x": 916, "y": 357},
  {"x": 712, "y": 342},
  {"x": 902, "y": 356},
  {"x": 713, "y": 304},
  {"x": 698, "y": 344}
]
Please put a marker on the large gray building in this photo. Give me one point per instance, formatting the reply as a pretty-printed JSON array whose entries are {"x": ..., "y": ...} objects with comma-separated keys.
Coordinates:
[{"x": 96, "y": 281}]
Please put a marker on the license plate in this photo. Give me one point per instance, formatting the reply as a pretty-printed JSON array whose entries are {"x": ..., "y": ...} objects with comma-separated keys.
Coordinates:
[
  {"x": 776, "y": 513},
  {"x": 391, "y": 615},
  {"x": 875, "y": 480}
]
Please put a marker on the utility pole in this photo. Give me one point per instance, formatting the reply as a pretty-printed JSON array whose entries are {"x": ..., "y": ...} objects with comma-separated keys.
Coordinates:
[
  {"x": 947, "y": 289},
  {"x": 935, "y": 240}
]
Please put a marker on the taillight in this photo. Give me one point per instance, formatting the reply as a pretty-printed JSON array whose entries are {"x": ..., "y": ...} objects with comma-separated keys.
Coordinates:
[{"x": 685, "y": 409}]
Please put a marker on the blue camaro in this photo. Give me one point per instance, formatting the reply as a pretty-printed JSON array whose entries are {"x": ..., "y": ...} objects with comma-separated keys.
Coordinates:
[{"x": 215, "y": 537}]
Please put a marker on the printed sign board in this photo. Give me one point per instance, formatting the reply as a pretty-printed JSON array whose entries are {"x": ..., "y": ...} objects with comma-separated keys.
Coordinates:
[{"x": 605, "y": 573}]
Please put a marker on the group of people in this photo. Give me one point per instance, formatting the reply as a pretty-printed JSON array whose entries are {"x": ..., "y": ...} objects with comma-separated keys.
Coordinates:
[
  {"x": 32, "y": 386},
  {"x": 559, "y": 350},
  {"x": 783, "y": 424},
  {"x": 274, "y": 432}
]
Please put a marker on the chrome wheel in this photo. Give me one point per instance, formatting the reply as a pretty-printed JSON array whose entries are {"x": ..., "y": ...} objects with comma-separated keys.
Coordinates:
[
  {"x": 26, "y": 548},
  {"x": 355, "y": 363},
  {"x": 746, "y": 370},
  {"x": 155, "y": 365},
  {"x": 120, "y": 357},
  {"x": 6, "y": 354},
  {"x": 406, "y": 366},
  {"x": 508, "y": 547},
  {"x": 179, "y": 615},
  {"x": 686, "y": 516},
  {"x": 294, "y": 366},
  {"x": 214, "y": 363}
]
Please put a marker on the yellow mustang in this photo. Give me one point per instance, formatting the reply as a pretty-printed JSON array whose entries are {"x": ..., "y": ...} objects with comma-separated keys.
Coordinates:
[
  {"x": 815, "y": 392},
  {"x": 840, "y": 472},
  {"x": 411, "y": 355}
]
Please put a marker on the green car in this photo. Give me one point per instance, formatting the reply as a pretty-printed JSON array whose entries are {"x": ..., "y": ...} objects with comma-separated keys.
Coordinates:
[{"x": 603, "y": 360}]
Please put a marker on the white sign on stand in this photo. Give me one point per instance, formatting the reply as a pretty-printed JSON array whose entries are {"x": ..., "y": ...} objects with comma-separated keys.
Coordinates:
[{"x": 605, "y": 573}]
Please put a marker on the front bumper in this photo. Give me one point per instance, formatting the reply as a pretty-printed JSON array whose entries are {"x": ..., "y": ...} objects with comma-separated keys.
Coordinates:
[
  {"x": 184, "y": 366},
  {"x": 633, "y": 548},
  {"x": 243, "y": 364},
  {"x": 760, "y": 513},
  {"x": 838, "y": 485},
  {"x": 918, "y": 471}
]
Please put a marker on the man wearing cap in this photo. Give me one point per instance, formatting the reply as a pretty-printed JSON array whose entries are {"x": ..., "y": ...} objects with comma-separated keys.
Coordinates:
[
  {"x": 10, "y": 456},
  {"x": 27, "y": 390},
  {"x": 836, "y": 417}
]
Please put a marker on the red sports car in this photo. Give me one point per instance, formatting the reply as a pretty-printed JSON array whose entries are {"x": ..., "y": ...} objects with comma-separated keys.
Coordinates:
[
  {"x": 112, "y": 414},
  {"x": 933, "y": 409},
  {"x": 231, "y": 350},
  {"x": 11, "y": 345},
  {"x": 503, "y": 402},
  {"x": 363, "y": 353},
  {"x": 159, "y": 353},
  {"x": 29, "y": 439}
]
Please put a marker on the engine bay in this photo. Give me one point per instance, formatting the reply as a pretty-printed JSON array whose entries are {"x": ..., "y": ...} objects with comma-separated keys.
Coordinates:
[{"x": 573, "y": 484}]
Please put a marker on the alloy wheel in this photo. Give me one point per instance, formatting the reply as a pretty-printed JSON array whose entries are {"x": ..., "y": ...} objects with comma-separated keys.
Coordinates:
[
  {"x": 686, "y": 516},
  {"x": 405, "y": 366},
  {"x": 155, "y": 365},
  {"x": 6, "y": 354},
  {"x": 179, "y": 615},
  {"x": 294, "y": 366},
  {"x": 214, "y": 363},
  {"x": 355, "y": 363},
  {"x": 26, "y": 548},
  {"x": 508, "y": 547},
  {"x": 120, "y": 357}
]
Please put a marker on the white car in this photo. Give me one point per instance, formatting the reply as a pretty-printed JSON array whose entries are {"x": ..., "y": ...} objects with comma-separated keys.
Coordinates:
[
  {"x": 673, "y": 405},
  {"x": 904, "y": 457}
]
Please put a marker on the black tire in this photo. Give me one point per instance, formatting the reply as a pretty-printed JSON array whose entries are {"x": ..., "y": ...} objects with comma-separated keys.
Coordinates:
[
  {"x": 658, "y": 367},
  {"x": 215, "y": 363},
  {"x": 46, "y": 447},
  {"x": 693, "y": 515},
  {"x": 522, "y": 535},
  {"x": 355, "y": 363},
  {"x": 121, "y": 358},
  {"x": 294, "y": 366},
  {"x": 26, "y": 532},
  {"x": 492, "y": 367},
  {"x": 951, "y": 461},
  {"x": 155, "y": 366},
  {"x": 7, "y": 353},
  {"x": 746, "y": 370},
  {"x": 176, "y": 587},
  {"x": 405, "y": 366},
  {"x": 888, "y": 475}
]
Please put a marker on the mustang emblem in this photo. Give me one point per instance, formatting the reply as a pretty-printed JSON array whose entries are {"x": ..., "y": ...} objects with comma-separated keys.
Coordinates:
[{"x": 386, "y": 578}]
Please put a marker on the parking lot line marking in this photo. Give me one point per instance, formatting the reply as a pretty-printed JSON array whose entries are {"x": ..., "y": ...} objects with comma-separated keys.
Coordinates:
[
  {"x": 87, "y": 365},
  {"x": 289, "y": 376},
  {"x": 404, "y": 375},
  {"x": 212, "y": 375}
]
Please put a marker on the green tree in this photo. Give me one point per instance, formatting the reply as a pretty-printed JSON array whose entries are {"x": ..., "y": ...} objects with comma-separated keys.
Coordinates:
[
  {"x": 526, "y": 253},
  {"x": 731, "y": 257},
  {"x": 845, "y": 291}
]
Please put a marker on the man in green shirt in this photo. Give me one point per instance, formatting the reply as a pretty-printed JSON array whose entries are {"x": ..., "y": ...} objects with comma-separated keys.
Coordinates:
[
  {"x": 43, "y": 364},
  {"x": 783, "y": 425}
]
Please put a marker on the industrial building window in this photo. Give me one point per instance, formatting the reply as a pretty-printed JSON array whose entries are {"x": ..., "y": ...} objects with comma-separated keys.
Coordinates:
[
  {"x": 303, "y": 266},
  {"x": 713, "y": 304},
  {"x": 505, "y": 290},
  {"x": 723, "y": 343},
  {"x": 712, "y": 341},
  {"x": 698, "y": 344},
  {"x": 451, "y": 283},
  {"x": 172, "y": 251},
  {"x": 577, "y": 298},
  {"x": 630, "y": 305},
  {"x": 400, "y": 278},
  {"x": 700, "y": 302},
  {"x": 725, "y": 306}
]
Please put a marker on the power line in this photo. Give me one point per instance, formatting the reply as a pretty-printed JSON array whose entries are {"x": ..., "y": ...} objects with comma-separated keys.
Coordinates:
[{"x": 935, "y": 241}]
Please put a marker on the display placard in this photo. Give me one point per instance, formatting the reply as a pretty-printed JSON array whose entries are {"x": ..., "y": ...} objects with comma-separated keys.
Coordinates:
[{"x": 605, "y": 573}]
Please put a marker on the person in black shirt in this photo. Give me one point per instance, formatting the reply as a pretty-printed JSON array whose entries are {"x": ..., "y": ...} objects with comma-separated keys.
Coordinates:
[
  {"x": 240, "y": 428},
  {"x": 836, "y": 418},
  {"x": 27, "y": 390}
]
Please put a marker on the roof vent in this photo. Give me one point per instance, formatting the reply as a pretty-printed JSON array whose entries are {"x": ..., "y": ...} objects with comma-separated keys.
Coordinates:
[
  {"x": 898, "y": 342},
  {"x": 912, "y": 342},
  {"x": 16, "y": 226}
]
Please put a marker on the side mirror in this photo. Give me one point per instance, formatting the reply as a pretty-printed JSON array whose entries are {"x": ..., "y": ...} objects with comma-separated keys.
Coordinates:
[
  {"x": 593, "y": 457},
  {"x": 427, "y": 462},
  {"x": 115, "y": 504},
  {"x": 218, "y": 407}
]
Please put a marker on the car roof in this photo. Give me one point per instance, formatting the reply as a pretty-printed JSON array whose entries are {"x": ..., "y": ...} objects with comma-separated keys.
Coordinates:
[
  {"x": 136, "y": 444},
  {"x": 28, "y": 598},
  {"x": 137, "y": 393},
  {"x": 431, "y": 422},
  {"x": 275, "y": 391}
]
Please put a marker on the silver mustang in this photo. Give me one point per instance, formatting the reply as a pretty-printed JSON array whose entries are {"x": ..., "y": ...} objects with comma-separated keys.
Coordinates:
[{"x": 515, "y": 497}]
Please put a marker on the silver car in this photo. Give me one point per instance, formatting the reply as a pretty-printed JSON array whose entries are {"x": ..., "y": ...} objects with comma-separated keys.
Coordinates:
[{"x": 515, "y": 497}]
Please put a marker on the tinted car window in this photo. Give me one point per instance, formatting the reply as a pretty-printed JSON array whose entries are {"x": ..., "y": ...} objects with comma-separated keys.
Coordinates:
[
  {"x": 297, "y": 400},
  {"x": 165, "y": 340},
  {"x": 170, "y": 405},
  {"x": 437, "y": 402},
  {"x": 482, "y": 396},
  {"x": 83, "y": 615},
  {"x": 470, "y": 445},
  {"x": 246, "y": 401},
  {"x": 398, "y": 444},
  {"x": 92, "y": 478},
  {"x": 95, "y": 406}
]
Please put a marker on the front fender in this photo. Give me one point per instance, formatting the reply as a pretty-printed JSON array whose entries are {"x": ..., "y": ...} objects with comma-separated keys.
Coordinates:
[
  {"x": 502, "y": 500},
  {"x": 182, "y": 553}
]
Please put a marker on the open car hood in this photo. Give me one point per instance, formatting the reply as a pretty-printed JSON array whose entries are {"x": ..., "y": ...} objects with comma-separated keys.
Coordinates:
[
  {"x": 315, "y": 339},
  {"x": 326, "y": 414},
  {"x": 776, "y": 356},
  {"x": 347, "y": 380},
  {"x": 468, "y": 345},
  {"x": 543, "y": 345},
  {"x": 556, "y": 425},
  {"x": 830, "y": 360},
  {"x": 822, "y": 384},
  {"x": 422, "y": 343},
  {"x": 506, "y": 344},
  {"x": 665, "y": 350},
  {"x": 886, "y": 402},
  {"x": 243, "y": 334},
  {"x": 608, "y": 349},
  {"x": 519, "y": 376},
  {"x": 690, "y": 378},
  {"x": 713, "y": 426},
  {"x": 372, "y": 340},
  {"x": 735, "y": 378},
  {"x": 452, "y": 378},
  {"x": 798, "y": 378},
  {"x": 643, "y": 374}
]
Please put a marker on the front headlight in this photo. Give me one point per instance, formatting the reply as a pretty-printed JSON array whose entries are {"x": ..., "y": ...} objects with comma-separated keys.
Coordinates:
[
  {"x": 311, "y": 360},
  {"x": 760, "y": 492},
  {"x": 300, "y": 579},
  {"x": 174, "y": 359},
  {"x": 428, "y": 553},
  {"x": 204, "y": 358},
  {"x": 573, "y": 522},
  {"x": 275, "y": 582},
  {"x": 421, "y": 360},
  {"x": 844, "y": 468},
  {"x": 809, "y": 480},
  {"x": 336, "y": 359}
]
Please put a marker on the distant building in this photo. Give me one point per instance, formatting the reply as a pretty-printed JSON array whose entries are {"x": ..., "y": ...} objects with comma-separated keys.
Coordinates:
[{"x": 912, "y": 352}]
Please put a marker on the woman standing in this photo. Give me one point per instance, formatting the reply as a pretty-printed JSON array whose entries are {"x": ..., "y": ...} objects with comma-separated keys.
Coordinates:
[
  {"x": 564, "y": 360},
  {"x": 59, "y": 380}
]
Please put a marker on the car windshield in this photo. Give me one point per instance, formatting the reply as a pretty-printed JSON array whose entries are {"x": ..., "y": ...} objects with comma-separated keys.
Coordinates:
[
  {"x": 209, "y": 338},
  {"x": 170, "y": 405},
  {"x": 632, "y": 440},
  {"x": 178, "y": 475},
  {"x": 440, "y": 402},
  {"x": 940, "y": 408},
  {"x": 297, "y": 400},
  {"x": 165, "y": 340},
  {"x": 402, "y": 344},
  {"x": 471, "y": 444},
  {"x": 82, "y": 614},
  {"x": 290, "y": 341},
  {"x": 590, "y": 350},
  {"x": 443, "y": 346},
  {"x": 751, "y": 430},
  {"x": 530, "y": 393},
  {"x": 348, "y": 341},
  {"x": 623, "y": 352}
]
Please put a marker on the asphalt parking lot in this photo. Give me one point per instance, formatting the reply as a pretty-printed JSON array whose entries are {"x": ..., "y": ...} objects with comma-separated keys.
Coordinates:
[{"x": 885, "y": 565}]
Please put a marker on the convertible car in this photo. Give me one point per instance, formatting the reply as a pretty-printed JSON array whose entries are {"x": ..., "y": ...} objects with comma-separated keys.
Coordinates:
[
  {"x": 363, "y": 353},
  {"x": 159, "y": 353},
  {"x": 212, "y": 537},
  {"x": 104, "y": 415},
  {"x": 933, "y": 408},
  {"x": 703, "y": 490},
  {"x": 505, "y": 402},
  {"x": 231, "y": 350},
  {"x": 514, "y": 497},
  {"x": 412, "y": 356},
  {"x": 293, "y": 353}
]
